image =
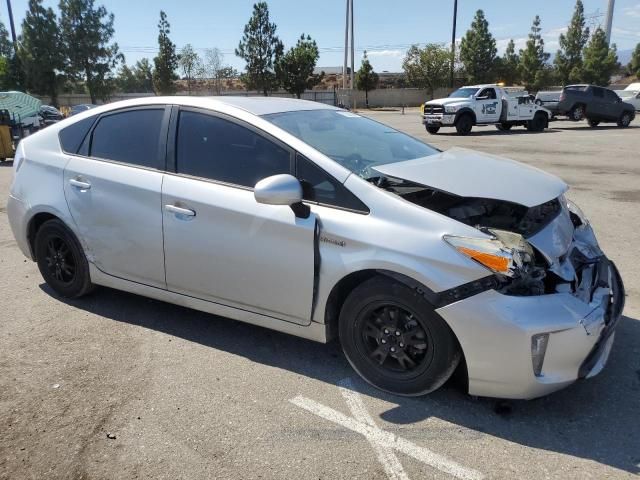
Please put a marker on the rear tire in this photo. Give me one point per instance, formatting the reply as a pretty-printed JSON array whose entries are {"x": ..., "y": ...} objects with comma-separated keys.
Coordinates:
[
  {"x": 61, "y": 260},
  {"x": 432, "y": 130},
  {"x": 593, "y": 123},
  {"x": 395, "y": 340},
  {"x": 577, "y": 113},
  {"x": 464, "y": 124},
  {"x": 624, "y": 120}
]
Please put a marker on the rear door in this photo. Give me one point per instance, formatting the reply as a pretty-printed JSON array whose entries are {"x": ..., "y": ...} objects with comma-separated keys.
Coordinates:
[
  {"x": 598, "y": 107},
  {"x": 220, "y": 244},
  {"x": 113, "y": 187}
]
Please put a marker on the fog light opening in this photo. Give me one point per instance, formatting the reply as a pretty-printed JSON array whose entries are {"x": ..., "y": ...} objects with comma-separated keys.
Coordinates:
[{"x": 538, "y": 350}]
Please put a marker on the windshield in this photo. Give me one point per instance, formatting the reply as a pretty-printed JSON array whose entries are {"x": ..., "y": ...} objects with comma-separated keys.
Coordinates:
[
  {"x": 355, "y": 142},
  {"x": 464, "y": 92}
]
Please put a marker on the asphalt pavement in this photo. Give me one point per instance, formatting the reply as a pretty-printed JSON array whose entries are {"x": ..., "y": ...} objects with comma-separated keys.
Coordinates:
[{"x": 119, "y": 386}]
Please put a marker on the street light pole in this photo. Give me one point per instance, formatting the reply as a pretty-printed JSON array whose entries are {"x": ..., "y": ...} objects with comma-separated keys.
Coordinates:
[
  {"x": 609, "y": 20},
  {"x": 453, "y": 40},
  {"x": 13, "y": 28}
]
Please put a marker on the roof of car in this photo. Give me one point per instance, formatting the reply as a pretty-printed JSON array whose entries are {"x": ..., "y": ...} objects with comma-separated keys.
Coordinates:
[{"x": 267, "y": 105}]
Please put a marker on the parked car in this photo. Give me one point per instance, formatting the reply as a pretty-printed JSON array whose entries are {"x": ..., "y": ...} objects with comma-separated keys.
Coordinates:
[
  {"x": 484, "y": 105},
  {"x": 548, "y": 99},
  {"x": 315, "y": 221},
  {"x": 81, "y": 108},
  {"x": 596, "y": 104},
  {"x": 49, "y": 115},
  {"x": 630, "y": 96}
]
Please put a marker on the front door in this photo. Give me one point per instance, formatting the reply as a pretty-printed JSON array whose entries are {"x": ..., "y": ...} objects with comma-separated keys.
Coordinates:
[
  {"x": 220, "y": 244},
  {"x": 487, "y": 106},
  {"x": 113, "y": 193}
]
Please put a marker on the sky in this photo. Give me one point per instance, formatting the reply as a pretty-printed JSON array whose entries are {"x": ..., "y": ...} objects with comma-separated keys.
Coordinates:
[{"x": 385, "y": 29}]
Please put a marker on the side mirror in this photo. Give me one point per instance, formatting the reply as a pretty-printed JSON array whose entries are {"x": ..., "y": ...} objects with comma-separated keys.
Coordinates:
[{"x": 283, "y": 189}]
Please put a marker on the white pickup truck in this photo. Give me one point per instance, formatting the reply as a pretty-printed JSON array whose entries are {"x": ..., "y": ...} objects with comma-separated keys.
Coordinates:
[{"x": 484, "y": 105}]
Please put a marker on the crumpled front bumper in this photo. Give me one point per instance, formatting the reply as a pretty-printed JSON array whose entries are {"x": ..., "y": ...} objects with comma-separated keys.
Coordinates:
[
  {"x": 438, "y": 120},
  {"x": 495, "y": 330}
]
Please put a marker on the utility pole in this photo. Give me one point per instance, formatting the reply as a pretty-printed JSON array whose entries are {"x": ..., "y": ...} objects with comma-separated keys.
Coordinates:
[
  {"x": 346, "y": 47},
  {"x": 453, "y": 40},
  {"x": 13, "y": 28},
  {"x": 353, "y": 48},
  {"x": 609, "y": 20}
]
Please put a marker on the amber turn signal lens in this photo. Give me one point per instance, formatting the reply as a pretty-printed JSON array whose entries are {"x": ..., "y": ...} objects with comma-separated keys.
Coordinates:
[{"x": 494, "y": 262}]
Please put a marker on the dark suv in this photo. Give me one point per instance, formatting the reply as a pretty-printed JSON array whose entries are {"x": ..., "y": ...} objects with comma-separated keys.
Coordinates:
[{"x": 597, "y": 104}]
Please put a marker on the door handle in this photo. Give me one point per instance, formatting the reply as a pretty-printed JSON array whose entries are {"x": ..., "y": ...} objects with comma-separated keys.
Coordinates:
[
  {"x": 180, "y": 211},
  {"x": 80, "y": 184}
]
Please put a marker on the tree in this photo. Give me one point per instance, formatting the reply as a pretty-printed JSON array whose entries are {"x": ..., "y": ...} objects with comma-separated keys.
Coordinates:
[
  {"x": 366, "y": 78},
  {"x": 260, "y": 48},
  {"x": 634, "y": 66},
  {"x": 167, "y": 61},
  {"x": 427, "y": 67},
  {"x": 294, "y": 69},
  {"x": 6, "y": 47},
  {"x": 506, "y": 67},
  {"x": 533, "y": 60},
  {"x": 41, "y": 50},
  {"x": 190, "y": 63},
  {"x": 478, "y": 51},
  {"x": 568, "y": 60},
  {"x": 600, "y": 60},
  {"x": 138, "y": 79},
  {"x": 86, "y": 35},
  {"x": 213, "y": 67},
  {"x": 6, "y": 51}
]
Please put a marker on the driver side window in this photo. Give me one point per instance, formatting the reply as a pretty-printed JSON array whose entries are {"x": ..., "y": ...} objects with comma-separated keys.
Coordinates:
[{"x": 490, "y": 93}]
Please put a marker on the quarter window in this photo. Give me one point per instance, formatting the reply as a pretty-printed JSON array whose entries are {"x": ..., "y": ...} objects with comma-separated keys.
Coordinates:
[
  {"x": 130, "y": 137},
  {"x": 318, "y": 186},
  {"x": 72, "y": 136},
  {"x": 218, "y": 149}
]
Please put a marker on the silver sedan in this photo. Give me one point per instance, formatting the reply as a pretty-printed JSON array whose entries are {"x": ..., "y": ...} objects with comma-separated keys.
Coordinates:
[{"x": 315, "y": 221}]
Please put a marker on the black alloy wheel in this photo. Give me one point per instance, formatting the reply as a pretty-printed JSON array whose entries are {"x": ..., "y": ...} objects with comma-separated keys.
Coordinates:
[{"x": 61, "y": 260}]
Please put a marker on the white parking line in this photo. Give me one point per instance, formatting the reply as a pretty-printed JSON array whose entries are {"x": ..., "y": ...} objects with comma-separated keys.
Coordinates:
[
  {"x": 385, "y": 442},
  {"x": 386, "y": 456}
]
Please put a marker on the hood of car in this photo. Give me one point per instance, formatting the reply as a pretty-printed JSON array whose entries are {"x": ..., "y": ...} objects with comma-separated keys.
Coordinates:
[
  {"x": 467, "y": 173},
  {"x": 448, "y": 101}
]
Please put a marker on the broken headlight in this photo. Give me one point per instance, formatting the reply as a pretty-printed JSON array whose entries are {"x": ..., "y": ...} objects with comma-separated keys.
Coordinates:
[
  {"x": 575, "y": 212},
  {"x": 506, "y": 253}
]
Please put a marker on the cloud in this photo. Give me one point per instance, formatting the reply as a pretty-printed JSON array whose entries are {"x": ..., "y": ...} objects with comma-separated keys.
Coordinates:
[
  {"x": 626, "y": 34},
  {"x": 633, "y": 11},
  {"x": 386, "y": 53}
]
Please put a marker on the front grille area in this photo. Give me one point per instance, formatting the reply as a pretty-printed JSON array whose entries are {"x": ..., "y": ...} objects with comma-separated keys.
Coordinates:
[{"x": 433, "y": 109}]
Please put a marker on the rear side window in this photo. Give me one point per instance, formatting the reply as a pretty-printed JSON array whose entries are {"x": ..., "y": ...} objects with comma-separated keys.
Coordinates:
[
  {"x": 131, "y": 137},
  {"x": 72, "y": 136},
  {"x": 218, "y": 149},
  {"x": 612, "y": 96},
  {"x": 320, "y": 187},
  {"x": 598, "y": 92}
]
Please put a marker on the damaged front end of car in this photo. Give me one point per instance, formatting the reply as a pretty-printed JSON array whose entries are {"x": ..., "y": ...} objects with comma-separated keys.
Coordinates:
[{"x": 556, "y": 294}]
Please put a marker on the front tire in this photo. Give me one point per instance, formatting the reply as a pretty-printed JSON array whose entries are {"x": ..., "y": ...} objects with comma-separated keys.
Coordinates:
[
  {"x": 464, "y": 124},
  {"x": 432, "y": 129},
  {"x": 61, "y": 260},
  {"x": 395, "y": 340},
  {"x": 625, "y": 120},
  {"x": 538, "y": 123}
]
